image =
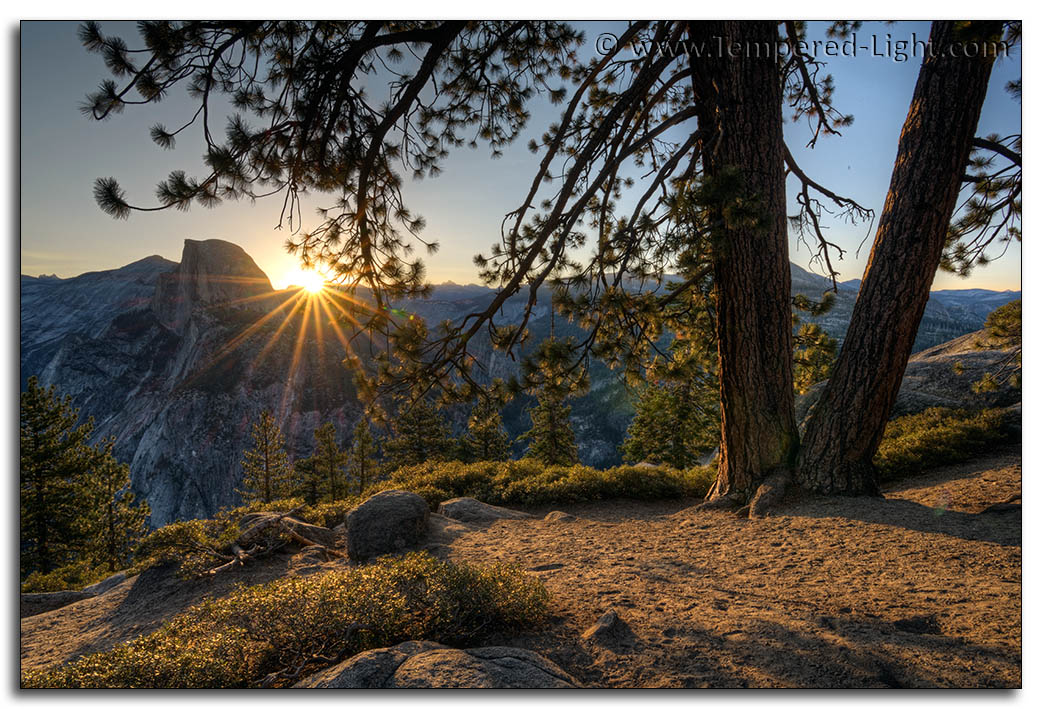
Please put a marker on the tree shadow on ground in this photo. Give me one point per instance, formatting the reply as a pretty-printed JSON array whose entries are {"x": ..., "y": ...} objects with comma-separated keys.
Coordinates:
[
  {"x": 863, "y": 652},
  {"x": 998, "y": 528}
]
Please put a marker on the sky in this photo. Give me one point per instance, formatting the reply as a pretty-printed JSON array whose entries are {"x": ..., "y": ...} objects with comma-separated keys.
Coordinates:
[{"x": 62, "y": 152}]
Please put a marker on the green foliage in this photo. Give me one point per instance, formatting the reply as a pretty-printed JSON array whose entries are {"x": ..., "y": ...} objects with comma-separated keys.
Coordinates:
[
  {"x": 551, "y": 439},
  {"x": 528, "y": 482},
  {"x": 814, "y": 350},
  {"x": 1002, "y": 331},
  {"x": 266, "y": 473},
  {"x": 937, "y": 436},
  {"x": 112, "y": 522},
  {"x": 71, "y": 576},
  {"x": 308, "y": 482},
  {"x": 419, "y": 434},
  {"x": 270, "y": 635},
  {"x": 486, "y": 439},
  {"x": 195, "y": 545},
  {"x": 76, "y": 505},
  {"x": 813, "y": 356},
  {"x": 54, "y": 458},
  {"x": 361, "y": 462},
  {"x": 329, "y": 464},
  {"x": 1003, "y": 326},
  {"x": 675, "y": 423}
]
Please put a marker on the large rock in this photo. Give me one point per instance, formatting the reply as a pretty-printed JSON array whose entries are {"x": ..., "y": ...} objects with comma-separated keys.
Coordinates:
[
  {"x": 471, "y": 511},
  {"x": 387, "y": 522},
  {"x": 416, "y": 665}
]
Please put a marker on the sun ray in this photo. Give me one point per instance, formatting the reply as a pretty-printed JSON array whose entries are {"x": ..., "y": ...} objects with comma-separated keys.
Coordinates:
[
  {"x": 298, "y": 349},
  {"x": 324, "y": 302},
  {"x": 316, "y": 316},
  {"x": 299, "y": 301},
  {"x": 236, "y": 341},
  {"x": 252, "y": 298}
]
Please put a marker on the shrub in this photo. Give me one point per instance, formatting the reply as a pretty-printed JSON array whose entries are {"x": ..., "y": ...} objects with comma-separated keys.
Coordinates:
[
  {"x": 937, "y": 436},
  {"x": 269, "y": 635},
  {"x": 71, "y": 576},
  {"x": 528, "y": 482}
]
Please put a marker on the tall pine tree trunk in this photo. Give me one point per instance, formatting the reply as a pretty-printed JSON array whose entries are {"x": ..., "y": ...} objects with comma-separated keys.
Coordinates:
[
  {"x": 847, "y": 423},
  {"x": 740, "y": 109}
]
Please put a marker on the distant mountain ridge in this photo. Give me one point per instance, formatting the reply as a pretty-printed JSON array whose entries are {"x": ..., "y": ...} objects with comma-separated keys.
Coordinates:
[{"x": 176, "y": 360}]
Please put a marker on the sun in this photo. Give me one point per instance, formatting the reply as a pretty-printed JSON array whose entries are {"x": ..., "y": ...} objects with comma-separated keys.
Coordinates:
[{"x": 311, "y": 281}]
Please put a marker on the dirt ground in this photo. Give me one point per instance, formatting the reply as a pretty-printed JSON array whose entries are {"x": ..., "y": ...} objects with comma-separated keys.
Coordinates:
[{"x": 920, "y": 589}]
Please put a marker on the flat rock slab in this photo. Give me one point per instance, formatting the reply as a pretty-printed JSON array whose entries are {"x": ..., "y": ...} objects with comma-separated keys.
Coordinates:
[
  {"x": 30, "y": 604},
  {"x": 428, "y": 665},
  {"x": 471, "y": 511}
]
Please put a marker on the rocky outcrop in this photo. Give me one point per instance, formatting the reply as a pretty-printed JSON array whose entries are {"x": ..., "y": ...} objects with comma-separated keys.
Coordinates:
[
  {"x": 386, "y": 523},
  {"x": 428, "y": 665},
  {"x": 178, "y": 368},
  {"x": 211, "y": 273},
  {"x": 471, "y": 511},
  {"x": 940, "y": 376}
]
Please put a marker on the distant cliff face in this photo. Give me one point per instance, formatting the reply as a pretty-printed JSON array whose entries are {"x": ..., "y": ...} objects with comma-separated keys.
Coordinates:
[
  {"x": 211, "y": 272},
  {"x": 176, "y": 361}
]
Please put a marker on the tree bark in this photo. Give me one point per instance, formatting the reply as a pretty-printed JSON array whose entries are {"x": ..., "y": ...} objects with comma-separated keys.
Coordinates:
[
  {"x": 739, "y": 98},
  {"x": 847, "y": 423}
]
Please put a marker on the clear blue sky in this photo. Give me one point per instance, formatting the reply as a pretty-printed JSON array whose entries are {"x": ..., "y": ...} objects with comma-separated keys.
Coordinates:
[{"x": 64, "y": 232}]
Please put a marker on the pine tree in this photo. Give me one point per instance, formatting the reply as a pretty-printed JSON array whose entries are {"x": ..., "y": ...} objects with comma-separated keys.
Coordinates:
[
  {"x": 329, "y": 462},
  {"x": 674, "y": 424},
  {"x": 308, "y": 481},
  {"x": 112, "y": 523},
  {"x": 551, "y": 439},
  {"x": 266, "y": 474},
  {"x": 361, "y": 464},
  {"x": 486, "y": 439},
  {"x": 54, "y": 459},
  {"x": 420, "y": 434}
]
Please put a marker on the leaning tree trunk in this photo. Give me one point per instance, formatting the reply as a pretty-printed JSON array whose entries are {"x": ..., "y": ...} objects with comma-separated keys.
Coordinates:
[
  {"x": 740, "y": 111},
  {"x": 847, "y": 423}
]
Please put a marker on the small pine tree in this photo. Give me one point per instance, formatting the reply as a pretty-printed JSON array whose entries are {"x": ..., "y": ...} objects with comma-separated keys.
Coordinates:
[
  {"x": 113, "y": 523},
  {"x": 551, "y": 439},
  {"x": 266, "y": 474},
  {"x": 329, "y": 461},
  {"x": 673, "y": 424},
  {"x": 486, "y": 439},
  {"x": 361, "y": 464},
  {"x": 420, "y": 434},
  {"x": 54, "y": 458},
  {"x": 308, "y": 481}
]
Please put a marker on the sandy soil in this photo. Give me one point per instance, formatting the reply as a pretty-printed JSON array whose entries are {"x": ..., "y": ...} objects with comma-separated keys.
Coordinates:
[{"x": 920, "y": 589}]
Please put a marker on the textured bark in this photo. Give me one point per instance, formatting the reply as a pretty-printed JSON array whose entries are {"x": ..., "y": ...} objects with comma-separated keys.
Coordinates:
[
  {"x": 847, "y": 424},
  {"x": 740, "y": 101}
]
